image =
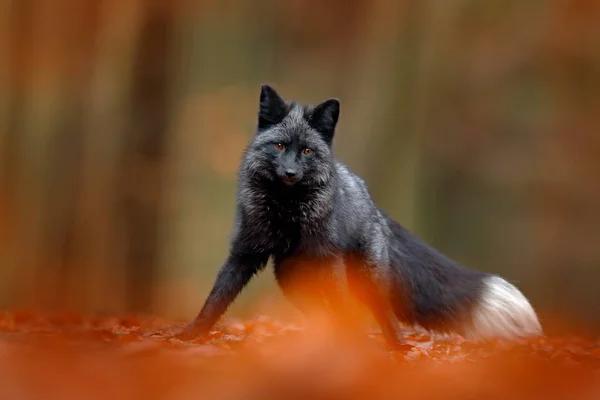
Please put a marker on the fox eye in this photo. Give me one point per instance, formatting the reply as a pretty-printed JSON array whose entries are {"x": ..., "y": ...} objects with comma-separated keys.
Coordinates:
[
  {"x": 307, "y": 152},
  {"x": 279, "y": 146}
]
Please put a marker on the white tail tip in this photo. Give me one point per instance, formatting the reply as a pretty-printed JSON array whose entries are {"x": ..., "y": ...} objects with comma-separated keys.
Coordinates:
[{"x": 503, "y": 312}]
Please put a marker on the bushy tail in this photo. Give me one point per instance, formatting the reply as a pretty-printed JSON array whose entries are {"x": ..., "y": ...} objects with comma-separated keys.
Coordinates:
[{"x": 503, "y": 312}]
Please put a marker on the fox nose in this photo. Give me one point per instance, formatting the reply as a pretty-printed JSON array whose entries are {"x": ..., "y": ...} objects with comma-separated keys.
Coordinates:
[{"x": 290, "y": 173}]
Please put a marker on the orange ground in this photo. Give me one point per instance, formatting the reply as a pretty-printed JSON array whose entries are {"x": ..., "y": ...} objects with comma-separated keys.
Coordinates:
[{"x": 74, "y": 357}]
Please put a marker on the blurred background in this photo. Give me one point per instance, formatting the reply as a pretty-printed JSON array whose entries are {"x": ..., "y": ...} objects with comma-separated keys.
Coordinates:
[{"x": 122, "y": 125}]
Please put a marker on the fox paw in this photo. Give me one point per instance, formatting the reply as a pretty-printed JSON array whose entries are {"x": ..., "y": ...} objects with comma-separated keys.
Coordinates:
[{"x": 189, "y": 332}]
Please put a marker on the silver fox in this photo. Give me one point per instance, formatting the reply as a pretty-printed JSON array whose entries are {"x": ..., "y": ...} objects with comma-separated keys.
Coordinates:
[{"x": 300, "y": 207}]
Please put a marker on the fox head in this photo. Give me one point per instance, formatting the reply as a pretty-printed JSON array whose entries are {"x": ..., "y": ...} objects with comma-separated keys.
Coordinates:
[{"x": 292, "y": 145}]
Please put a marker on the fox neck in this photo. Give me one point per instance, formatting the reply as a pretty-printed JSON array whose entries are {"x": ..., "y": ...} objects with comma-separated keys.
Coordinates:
[{"x": 298, "y": 203}]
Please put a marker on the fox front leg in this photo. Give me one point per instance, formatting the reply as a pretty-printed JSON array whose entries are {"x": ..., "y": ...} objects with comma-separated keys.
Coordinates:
[
  {"x": 317, "y": 286},
  {"x": 367, "y": 284},
  {"x": 299, "y": 284},
  {"x": 233, "y": 276}
]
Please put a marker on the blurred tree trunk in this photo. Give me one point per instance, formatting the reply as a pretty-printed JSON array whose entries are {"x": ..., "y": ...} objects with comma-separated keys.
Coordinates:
[
  {"x": 143, "y": 162},
  {"x": 7, "y": 147},
  {"x": 6, "y": 89},
  {"x": 567, "y": 220},
  {"x": 399, "y": 91},
  {"x": 99, "y": 251},
  {"x": 41, "y": 34},
  {"x": 88, "y": 188}
]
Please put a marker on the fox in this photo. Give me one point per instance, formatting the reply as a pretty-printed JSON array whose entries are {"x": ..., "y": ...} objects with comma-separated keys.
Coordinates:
[{"x": 300, "y": 207}]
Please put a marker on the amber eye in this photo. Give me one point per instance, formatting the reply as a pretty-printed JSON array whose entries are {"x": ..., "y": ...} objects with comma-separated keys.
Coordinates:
[
  {"x": 279, "y": 146},
  {"x": 307, "y": 152}
]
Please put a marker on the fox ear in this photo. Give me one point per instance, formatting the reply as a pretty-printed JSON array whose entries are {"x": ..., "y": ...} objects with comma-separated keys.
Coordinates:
[
  {"x": 324, "y": 118},
  {"x": 273, "y": 108}
]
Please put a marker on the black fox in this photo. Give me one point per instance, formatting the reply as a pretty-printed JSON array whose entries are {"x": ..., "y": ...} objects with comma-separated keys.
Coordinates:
[{"x": 299, "y": 206}]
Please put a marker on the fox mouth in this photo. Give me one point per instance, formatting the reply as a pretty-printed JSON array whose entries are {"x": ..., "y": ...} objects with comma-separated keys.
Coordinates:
[{"x": 288, "y": 181}]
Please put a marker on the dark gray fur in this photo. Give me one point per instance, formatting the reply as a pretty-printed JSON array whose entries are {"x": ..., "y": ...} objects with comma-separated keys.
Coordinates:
[{"x": 328, "y": 217}]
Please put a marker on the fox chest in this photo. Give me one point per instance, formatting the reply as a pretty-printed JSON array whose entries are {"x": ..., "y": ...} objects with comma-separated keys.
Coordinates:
[
  {"x": 297, "y": 239},
  {"x": 288, "y": 228},
  {"x": 284, "y": 238}
]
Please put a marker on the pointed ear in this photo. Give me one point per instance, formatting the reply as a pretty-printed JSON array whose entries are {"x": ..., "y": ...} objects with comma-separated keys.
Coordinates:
[
  {"x": 324, "y": 118},
  {"x": 273, "y": 108}
]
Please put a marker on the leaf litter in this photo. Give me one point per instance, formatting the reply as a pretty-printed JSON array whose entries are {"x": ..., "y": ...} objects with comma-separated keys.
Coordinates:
[{"x": 108, "y": 357}]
